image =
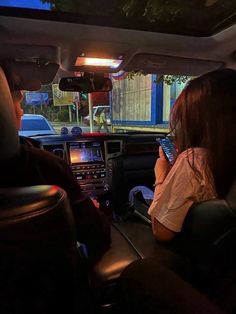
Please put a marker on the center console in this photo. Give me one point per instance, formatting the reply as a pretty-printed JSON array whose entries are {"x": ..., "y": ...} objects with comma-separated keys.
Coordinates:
[
  {"x": 93, "y": 162},
  {"x": 87, "y": 160}
]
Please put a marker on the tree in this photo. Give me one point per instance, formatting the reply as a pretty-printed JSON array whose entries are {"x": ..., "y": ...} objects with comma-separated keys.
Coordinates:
[
  {"x": 150, "y": 10},
  {"x": 168, "y": 79},
  {"x": 94, "y": 7}
]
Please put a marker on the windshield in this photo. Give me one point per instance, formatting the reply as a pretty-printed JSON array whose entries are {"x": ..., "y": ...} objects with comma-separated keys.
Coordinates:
[{"x": 137, "y": 103}]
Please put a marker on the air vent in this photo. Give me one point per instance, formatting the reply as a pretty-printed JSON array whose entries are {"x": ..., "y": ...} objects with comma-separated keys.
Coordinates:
[
  {"x": 113, "y": 147},
  {"x": 56, "y": 149}
]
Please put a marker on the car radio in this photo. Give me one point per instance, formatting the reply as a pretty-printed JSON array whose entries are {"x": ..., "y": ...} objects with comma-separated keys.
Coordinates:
[{"x": 88, "y": 166}]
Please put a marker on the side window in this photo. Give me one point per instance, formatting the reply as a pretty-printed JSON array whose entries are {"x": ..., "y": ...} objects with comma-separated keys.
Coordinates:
[{"x": 142, "y": 99}]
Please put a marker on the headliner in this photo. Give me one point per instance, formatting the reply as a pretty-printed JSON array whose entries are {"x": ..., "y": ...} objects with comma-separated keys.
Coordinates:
[{"x": 193, "y": 18}]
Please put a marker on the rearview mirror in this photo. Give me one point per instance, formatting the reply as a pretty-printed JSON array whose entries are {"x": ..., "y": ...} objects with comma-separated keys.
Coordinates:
[{"x": 85, "y": 84}]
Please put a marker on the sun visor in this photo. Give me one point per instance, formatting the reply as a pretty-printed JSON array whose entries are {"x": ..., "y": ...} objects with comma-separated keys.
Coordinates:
[
  {"x": 160, "y": 64},
  {"x": 29, "y": 75},
  {"x": 29, "y": 53}
]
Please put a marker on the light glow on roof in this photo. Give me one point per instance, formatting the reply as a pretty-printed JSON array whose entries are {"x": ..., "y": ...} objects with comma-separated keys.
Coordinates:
[{"x": 100, "y": 62}]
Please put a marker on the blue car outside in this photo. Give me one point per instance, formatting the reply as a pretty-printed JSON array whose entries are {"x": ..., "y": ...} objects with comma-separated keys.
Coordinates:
[{"x": 35, "y": 124}]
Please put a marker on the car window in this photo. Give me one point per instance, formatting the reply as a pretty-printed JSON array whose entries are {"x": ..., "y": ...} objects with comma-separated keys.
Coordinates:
[
  {"x": 34, "y": 124},
  {"x": 140, "y": 101},
  {"x": 134, "y": 104}
]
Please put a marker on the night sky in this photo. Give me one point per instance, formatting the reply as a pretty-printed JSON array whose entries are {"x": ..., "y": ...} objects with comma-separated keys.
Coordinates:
[{"x": 31, "y": 4}]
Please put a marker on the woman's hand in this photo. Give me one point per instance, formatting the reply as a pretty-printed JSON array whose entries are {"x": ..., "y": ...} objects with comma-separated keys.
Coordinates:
[{"x": 162, "y": 167}]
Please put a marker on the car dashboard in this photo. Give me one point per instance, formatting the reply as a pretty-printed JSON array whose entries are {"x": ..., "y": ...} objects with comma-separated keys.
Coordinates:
[{"x": 106, "y": 166}]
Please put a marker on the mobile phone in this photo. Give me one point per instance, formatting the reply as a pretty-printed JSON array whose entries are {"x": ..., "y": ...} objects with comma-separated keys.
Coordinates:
[{"x": 168, "y": 148}]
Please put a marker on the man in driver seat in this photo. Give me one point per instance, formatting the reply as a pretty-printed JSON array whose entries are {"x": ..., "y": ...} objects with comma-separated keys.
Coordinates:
[{"x": 33, "y": 166}]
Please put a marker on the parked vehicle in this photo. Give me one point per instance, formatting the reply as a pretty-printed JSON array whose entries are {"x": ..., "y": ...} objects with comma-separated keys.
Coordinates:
[{"x": 35, "y": 124}]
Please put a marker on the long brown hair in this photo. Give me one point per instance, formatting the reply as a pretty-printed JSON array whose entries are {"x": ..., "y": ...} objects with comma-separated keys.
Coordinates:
[{"x": 204, "y": 115}]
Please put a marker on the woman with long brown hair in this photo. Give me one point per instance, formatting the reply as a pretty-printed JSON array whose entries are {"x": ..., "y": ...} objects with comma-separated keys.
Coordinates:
[{"x": 203, "y": 124}]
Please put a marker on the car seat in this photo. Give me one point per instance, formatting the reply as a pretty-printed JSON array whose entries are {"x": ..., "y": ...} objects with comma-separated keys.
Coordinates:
[
  {"x": 39, "y": 261},
  {"x": 207, "y": 239},
  {"x": 40, "y": 266},
  {"x": 149, "y": 286}
]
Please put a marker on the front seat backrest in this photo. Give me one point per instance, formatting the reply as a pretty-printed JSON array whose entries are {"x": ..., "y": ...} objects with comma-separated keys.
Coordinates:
[
  {"x": 38, "y": 251},
  {"x": 208, "y": 236},
  {"x": 9, "y": 140},
  {"x": 39, "y": 267}
]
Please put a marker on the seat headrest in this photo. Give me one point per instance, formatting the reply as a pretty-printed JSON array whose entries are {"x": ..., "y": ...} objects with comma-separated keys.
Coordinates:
[
  {"x": 9, "y": 140},
  {"x": 27, "y": 201}
]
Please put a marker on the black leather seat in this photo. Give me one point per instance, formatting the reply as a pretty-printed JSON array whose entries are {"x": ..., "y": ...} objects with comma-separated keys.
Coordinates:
[
  {"x": 41, "y": 270},
  {"x": 39, "y": 261},
  {"x": 208, "y": 241},
  {"x": 208, "y": 238},
  {"x": 149, "y": 286}
]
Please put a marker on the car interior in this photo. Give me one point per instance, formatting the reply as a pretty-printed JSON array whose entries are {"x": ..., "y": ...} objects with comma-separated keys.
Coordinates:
[{"x": 43, "y": 268}]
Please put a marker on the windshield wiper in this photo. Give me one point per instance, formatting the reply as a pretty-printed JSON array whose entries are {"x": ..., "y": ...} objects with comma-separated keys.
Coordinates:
[{"x": 41, "y": 134}]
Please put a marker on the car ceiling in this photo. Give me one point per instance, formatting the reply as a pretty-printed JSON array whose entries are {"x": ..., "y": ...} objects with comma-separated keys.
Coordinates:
[
  {"x": 31, "y": 39},
  {"x": 200, "y": 18}
]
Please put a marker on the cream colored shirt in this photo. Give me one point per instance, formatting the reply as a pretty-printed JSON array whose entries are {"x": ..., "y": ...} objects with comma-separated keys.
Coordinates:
[{"x": 181, "y": 188}]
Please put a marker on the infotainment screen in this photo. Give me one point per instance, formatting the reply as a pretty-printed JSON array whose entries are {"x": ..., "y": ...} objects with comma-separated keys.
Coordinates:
[{"x": 85, "y": 152}]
